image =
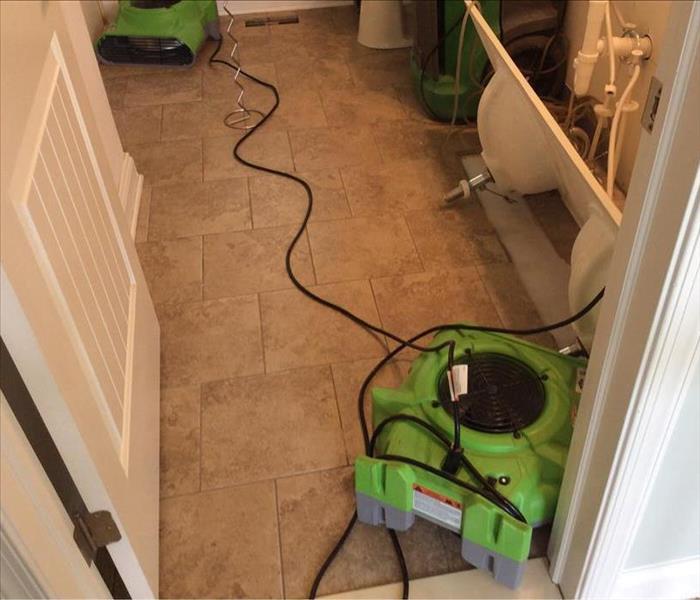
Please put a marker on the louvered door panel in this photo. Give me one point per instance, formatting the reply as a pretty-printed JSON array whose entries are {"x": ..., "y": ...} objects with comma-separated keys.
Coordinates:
[{"x": 79, "y": 246}]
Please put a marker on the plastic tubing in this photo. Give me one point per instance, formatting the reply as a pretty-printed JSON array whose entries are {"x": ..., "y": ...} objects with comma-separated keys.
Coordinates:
[
  {"x": 458, "y": 72},
  {"x": 614, "y": 130}
]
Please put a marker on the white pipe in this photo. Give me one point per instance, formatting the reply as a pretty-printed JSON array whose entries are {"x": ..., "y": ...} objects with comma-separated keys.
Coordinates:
[
  {"x": 620, "y": 137},
  {"x": 623, "y": 46},
  {"x": 615, "y": 126},
  {"x": 611, "y": 47},
  {"x": 588, "y": 55}
]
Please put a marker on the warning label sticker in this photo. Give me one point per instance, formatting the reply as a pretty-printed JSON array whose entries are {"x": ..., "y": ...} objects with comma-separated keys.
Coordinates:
[{"x": 437, "y": 508}]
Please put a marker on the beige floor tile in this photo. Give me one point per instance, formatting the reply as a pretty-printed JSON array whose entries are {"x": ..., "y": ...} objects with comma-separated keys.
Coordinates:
[
  {"x": 348, "y": 378},
  {"x": 361, "y": 106},
  {"x": 220, "y": 544},
  {"x": 298, "y": 332},
  {"x": 173, "y": 269},
  {"x": 556, "y": 220},
  {"x": 116, "y": 90},
  {"x": 270, "y": 148},
  {"x": 455, "y": 237},
  {"x": 315, "y": 508},
  {"x": 219, "y": 86},
  {"x": 192, "y": 120},
  {"x": 343, "y": 45},
  {"x": 249, "y": 425},
  {"x": 110, "y": 72},
  {"x": 409, "y": 304},
  {"x": 248, "y": 262},
  {"x": 512, "y": 301},
  {"x": 277, "y": 47},
  {"x": 169, "y": 162},
  {"x": 333, "y": 147},
  {"x": 211, "y": 340},
  {"x": 362, "y": 247},
  {"x": 299, "y": 108},
  {"x": 315, "y": 74},
  {"x": 199, "y": 208},
  {"x": 408, "y": 140},
  {"x": 411, "y": 102},
  {"x": 142, "y": 221},
  {"x": 138, "y": 124},
  {"x": 164, "y": 87},
  {"x": 390, "y": 67},
  {"x": 279, "y": 201},
  {"x": 397, "y": 187},
  {"x": 179, "y": 441}
]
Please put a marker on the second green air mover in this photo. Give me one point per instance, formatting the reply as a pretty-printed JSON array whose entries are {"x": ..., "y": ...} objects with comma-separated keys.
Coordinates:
[
  {"x": 524, "y": 28},
  {"x": 516, "y": 425},
  {"x": 158, "y": 32}
]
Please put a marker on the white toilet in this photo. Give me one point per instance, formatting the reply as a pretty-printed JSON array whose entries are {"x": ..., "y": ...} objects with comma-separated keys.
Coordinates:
[{"x": 381, "y": 25}]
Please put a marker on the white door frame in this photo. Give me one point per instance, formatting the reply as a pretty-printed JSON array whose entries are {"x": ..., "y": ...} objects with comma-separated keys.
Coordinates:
[
  {"x": 647, "y": 339},
  {"x": 38, "y": 556}
]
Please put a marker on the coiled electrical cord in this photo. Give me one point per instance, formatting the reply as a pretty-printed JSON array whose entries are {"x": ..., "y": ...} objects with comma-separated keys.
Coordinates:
[{"x": 489, "y": 492}]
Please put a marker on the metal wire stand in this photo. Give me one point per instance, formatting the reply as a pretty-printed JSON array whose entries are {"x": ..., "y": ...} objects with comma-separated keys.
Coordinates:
[{"x": 240, "y": 117}]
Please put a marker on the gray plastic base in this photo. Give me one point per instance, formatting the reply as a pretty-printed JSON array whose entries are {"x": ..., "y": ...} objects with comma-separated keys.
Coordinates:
[
  {"x": 505, "y": 570},
  {"x": 373, "y": 512}
]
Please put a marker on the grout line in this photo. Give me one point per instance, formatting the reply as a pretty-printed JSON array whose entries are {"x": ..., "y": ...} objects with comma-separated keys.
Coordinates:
[
  {"x": 250, "y": 204},
  {"x": 291, "y": 151},
  {"x": 201, "y": 447},
  {"x": 311, "y": 255},
  {"x": 339, "y": 170},
  {"x": 279, "y": 536},
  {"x": 262, "y": 336},
  {"x": 340, "y": 418},
  {"x": 413, "y": 241},
  {"x": 201, "y": 267},
  {"x": 233, "y": 486}
]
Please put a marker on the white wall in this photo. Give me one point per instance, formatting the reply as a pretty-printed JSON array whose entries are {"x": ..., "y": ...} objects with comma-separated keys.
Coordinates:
[
  {"x": 650, "y": 17},
  {"x": 673, "y": 512}
]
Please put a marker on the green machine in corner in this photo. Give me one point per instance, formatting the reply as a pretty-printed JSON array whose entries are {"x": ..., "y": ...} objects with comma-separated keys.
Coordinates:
[
  {"x": 516, "y": 424},
  {"x": 524, "y": 28},
  {"x": 159, "y": 32}
]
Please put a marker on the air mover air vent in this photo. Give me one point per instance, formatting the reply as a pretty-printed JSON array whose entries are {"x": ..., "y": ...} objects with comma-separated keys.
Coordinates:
[
  {"x": 153, "y": 3},
  {"x": 120, "y": 49},
  {"x": 505, "y": 395}
]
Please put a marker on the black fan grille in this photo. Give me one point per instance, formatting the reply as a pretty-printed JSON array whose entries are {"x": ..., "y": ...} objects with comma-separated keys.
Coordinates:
[
  {"x": 505, "y": 395},
  {"x": 123, "y": 49}
]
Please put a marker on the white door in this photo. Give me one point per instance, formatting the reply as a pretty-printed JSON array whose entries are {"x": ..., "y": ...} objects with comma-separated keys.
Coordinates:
[{"x": 77, "y": 317}]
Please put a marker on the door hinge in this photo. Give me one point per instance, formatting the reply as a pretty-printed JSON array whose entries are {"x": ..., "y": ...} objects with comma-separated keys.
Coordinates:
[
  {"x": 94, "y": 530},
  {"x": 651, "y": 107}
]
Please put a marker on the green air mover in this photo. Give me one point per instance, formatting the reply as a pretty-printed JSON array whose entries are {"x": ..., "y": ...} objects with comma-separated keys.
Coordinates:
[
  {"x": 523, "y": 26},
  {"x": 516, "y": 424},
  {"x": 158, "y": 32}
]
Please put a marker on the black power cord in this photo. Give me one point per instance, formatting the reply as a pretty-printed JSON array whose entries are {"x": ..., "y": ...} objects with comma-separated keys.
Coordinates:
[{"x": 489, "y": 491}]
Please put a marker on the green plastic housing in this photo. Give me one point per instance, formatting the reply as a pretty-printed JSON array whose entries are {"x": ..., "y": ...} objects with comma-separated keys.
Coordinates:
[
  {"x": 186, "y": 21},
  {"x": 532, "y": 460},
  {"x": 439, "y": 93}
]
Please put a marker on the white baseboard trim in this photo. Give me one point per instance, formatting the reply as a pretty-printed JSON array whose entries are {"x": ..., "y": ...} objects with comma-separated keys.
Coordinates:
[
  {"x": 471, "y": 584},
  {"x": 242, "y": 7},
  {"x": 676, "y": 579},
  {"x": 130, "y": 186}
]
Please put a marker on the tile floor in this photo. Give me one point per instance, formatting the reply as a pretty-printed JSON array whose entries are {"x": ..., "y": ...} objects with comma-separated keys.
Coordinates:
[{"x": 258, "y": 430}]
